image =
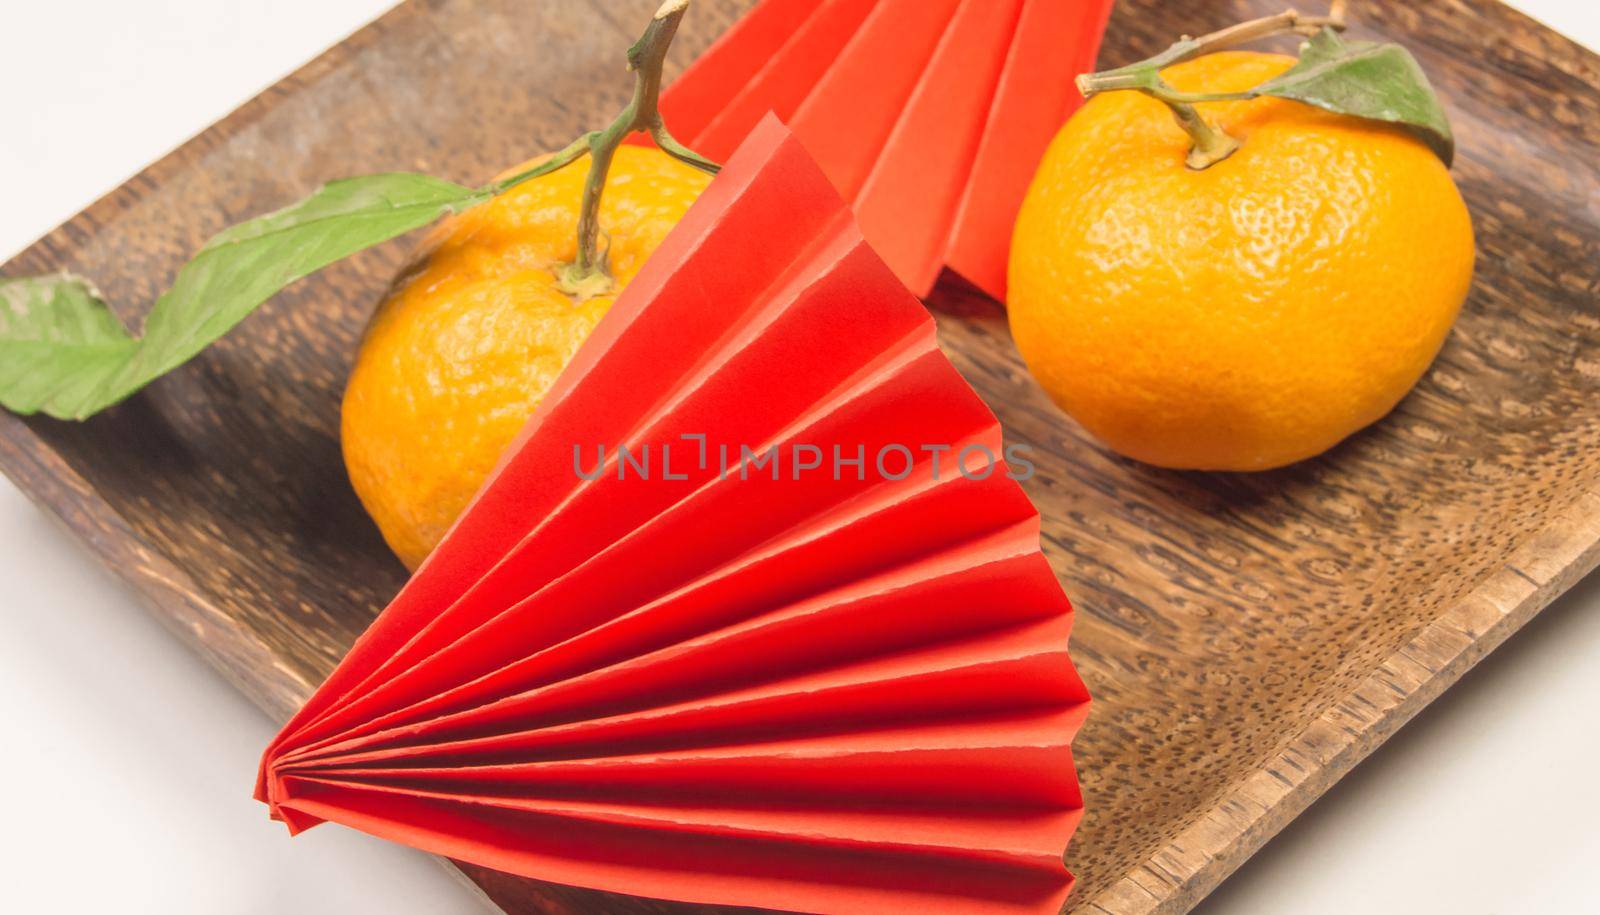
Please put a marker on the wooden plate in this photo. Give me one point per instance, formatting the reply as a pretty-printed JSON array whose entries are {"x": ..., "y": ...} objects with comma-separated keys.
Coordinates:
[{"x": 1248, "y": 638}]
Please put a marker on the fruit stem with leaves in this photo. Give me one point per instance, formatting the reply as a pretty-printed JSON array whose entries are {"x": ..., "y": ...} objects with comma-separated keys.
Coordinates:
[
  {"x": 64, "y": 353},
  {"x": 589, "y": 274},
  {"x": 1211, "y": 143}
]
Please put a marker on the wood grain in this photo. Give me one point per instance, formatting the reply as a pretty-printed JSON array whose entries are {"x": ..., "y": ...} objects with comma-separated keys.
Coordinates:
[{"x": 1249, "y": 638}]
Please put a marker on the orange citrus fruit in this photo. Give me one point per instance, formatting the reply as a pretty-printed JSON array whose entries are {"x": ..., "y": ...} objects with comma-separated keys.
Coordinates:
[
  {"x": 474, "y": 333},
  {"x": 1246, "y": 315}
]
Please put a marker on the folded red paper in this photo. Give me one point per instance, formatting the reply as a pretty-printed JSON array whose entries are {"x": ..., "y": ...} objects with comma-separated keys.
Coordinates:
[
  {"x": 930, "y": 116},
  {"x": 751, "y": 613}
]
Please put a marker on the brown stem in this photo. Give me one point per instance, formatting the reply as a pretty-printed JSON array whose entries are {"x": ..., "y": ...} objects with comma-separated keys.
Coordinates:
[{"x": 1287, "y": 22}]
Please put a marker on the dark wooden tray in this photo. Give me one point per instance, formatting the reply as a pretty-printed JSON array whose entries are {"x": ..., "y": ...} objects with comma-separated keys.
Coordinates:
[{"x": 1248, "y": 638}]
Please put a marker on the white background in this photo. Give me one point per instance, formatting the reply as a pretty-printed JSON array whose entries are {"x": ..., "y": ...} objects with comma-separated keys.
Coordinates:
[{"x": 127, "y": 763}]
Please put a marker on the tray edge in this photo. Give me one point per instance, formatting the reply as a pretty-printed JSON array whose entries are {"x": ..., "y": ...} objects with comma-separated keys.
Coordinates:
[
  {"x": 167, "y": 592},
  {"x": 1177, "y": 876}
]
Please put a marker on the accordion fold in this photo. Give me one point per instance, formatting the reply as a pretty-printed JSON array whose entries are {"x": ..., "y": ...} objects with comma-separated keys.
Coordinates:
[
  {"x": 929, "y": 116},
  {"x": 717, "y": 629}
]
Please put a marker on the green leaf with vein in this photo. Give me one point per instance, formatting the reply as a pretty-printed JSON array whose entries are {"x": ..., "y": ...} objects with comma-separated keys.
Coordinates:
[
  {"x": 1382, "y": 82},
  {"x": 63, "y": 353},
  {"x": 57, "y": 341}
]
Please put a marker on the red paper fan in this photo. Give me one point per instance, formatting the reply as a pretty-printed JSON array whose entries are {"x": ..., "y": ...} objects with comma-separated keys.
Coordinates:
[
  {"x": 779, "y": 685},
  {"x": 930, "y": 116}
]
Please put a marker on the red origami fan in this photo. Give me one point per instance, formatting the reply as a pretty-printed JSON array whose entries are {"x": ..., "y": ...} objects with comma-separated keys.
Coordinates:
[
  {"x": 930, "y": 116},
  {"x": 776, "y": 685}
]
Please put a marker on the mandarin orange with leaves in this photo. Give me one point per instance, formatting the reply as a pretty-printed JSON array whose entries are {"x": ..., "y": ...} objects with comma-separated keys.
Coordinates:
[
  {"x": 1241, "y": 313},
  {"x": 474, "y": 333}
]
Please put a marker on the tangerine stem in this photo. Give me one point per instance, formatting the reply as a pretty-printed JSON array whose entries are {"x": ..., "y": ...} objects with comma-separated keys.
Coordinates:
[
  {"x": 1211, "y": 144},
  {"x": 589, "y": 274},
  {"x": 560, "y": 160}
]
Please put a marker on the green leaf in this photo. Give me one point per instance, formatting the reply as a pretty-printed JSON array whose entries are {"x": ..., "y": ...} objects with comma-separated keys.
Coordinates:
[
  {"x": 62, "y": 352},
  {"x": 58, "y": 341},
  {"x": 1369, "y": 80}
]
